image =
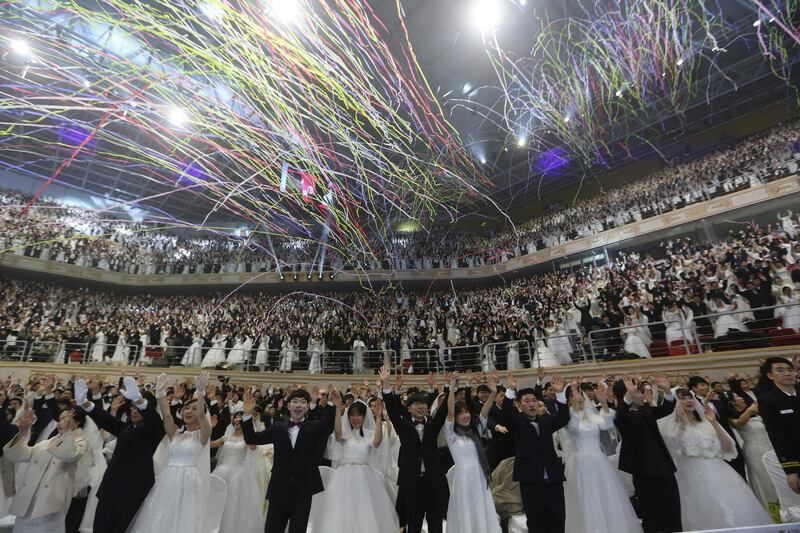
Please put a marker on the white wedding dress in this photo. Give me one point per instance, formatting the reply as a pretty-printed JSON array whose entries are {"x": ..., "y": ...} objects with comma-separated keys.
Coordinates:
[
  {"x": 513, "y": 356},
  {"x": 244, "y": 472},
  {"x": 216, "y": 355},
  {"x": 194, "y": 354},
  {"x": 356, "y": 497},
  {"x": 756, "y": 444},
  {"x": 121, "y": 352},
  {"x": 594, "y": 494},
  {"x": 713, "y": 495},
  {"x": 178, "y": 499},
  {"x": 471, "y": 508}
]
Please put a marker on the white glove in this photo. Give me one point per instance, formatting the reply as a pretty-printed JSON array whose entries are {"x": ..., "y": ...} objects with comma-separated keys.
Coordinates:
[
  {"x": 200, "y": 384},
  {"x": 81, "y": 391},
  {"x": 161, "y": 385},
  {"x": 131, "y": 390}
]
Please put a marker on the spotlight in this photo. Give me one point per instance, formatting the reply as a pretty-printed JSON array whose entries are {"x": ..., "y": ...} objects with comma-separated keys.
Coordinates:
[
  {"x": 308, "y": 277},
  {"x": 483, "y": 160},
  {"x": 281, "y": 277},
  {"x": 331, "y": 275},
  {"x": 522, "y": 141},
  {"x": 295, "y": 277},
  {"x": 21, "y": 47},
  {"x": 178, "y": 116},
  {"x": 757, "y": 23},
  {"x": 467, "y": 87},
  {"x": 679, "y": 62},
  {"x": 618, "y": 93},
  {"x": 285, "y": 10},
  {"x": 505, "y": 149},
  {"x": 486, "y": 14},
  {"x": 566, "y": 119}
]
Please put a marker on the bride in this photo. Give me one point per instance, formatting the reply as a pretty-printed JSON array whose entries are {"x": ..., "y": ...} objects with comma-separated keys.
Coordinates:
[
  {"x": 354, "y": 448},
  {"x": 178, "y": 499},
  {"x": 594, "y": 493},
  {"x": 713, "y": 495},
  {"x": 216, "y": 355},
  {"x": 244, "y": 469}
]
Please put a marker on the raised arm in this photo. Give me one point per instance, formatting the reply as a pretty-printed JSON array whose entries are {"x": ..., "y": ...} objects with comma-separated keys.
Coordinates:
[
  {"x": 17, "y": 450},
  {"x": 161, "y": 395},
  {"x": 376, "y": 442},
  {"x": 248, "y": 431},
  {"x": 491, "y": 382},
  {"x": 336, "y": 398},
  {"x": 452, "y": 379},
  {"x": 199, "y": 393},
  {"x": 392, "y": 400}
]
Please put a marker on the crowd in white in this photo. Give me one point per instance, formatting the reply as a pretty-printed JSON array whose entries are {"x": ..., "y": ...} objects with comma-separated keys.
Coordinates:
[{"x": 58, "y": 232}]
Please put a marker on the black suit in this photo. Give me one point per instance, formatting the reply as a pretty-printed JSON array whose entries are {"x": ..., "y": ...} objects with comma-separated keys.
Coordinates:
[
  {"x": 129, "y": 475},
  {"x": 645, "y": 456},
  {"x": 537, "y": 468},
  {"x": 424, "y": 493},
  {"x": 781, "y": 414},
  {"x": 295, "y": 469}
]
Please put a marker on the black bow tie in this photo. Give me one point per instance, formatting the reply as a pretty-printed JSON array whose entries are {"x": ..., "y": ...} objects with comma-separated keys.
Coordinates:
[
  {"x": 293, "y": 424},
  {"x": 419, "y": 422}
]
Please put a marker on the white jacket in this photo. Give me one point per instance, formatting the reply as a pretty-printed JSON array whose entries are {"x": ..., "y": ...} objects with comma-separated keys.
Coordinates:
[{"x": 46, "y": 473}]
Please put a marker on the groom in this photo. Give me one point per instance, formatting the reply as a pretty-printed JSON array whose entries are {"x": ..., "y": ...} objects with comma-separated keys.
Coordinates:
[
  {"x": 537, "y": 468},
  {"x": 295, "y": 471}
]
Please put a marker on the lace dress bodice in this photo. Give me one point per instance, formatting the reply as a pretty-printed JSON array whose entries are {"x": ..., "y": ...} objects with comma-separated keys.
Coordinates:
[
  {"x": 234, "y": 450},
  {"x": 356, "y": 449},
  {"x": 185, "y": 449},
  {"x": 462, "y": 448},
  {"x": 584, "y": 433},
  {"x": 698, "y": 439}
]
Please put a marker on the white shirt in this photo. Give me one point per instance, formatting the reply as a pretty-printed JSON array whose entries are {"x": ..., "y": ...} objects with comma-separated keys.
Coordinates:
[{"x": 293, "y": 432}]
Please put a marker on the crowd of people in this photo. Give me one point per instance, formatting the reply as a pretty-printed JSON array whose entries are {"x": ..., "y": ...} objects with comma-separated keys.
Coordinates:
[
  {"x": 131, "y": 454},
  {"x": 625, "y": 306},
  {"x": 58, "y": 232}
]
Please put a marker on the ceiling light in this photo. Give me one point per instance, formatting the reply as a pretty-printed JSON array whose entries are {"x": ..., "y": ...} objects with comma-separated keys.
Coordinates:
[
  {"x": 467, "y": 87},
  {"x": 757, "y": 23},
  {"x": 522, "y": 141},
  {"x": 618, "y": 93},
  {"x": 566, "y": 119},
  {"x": 486, "y": 14},
  {"x": 178, "y": 116},
  {"x": 483, "y": 160},
  {"x": 679, "y": 62},
  {"x": 21, "y": 47},
  {"x": 285, "y": 10}
]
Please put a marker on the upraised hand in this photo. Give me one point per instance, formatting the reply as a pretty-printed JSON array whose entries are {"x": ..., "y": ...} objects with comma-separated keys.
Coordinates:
[
  {"x": 26, "y": 420},
  {"x": 314, "y": 389},
  {"x": 378, "y": 410},
  {"x": 383, "y": 376},
  {"x": 200, "y": 383},
  {"x": 491, "y": 381},
  {"x": 558, "y": 384},
  {"x": 336, "y": 399},
  {"x": 540, "y": 373},
  {"x": 711, "y": 416},
  {"x": 162, "y": 382},
  {"x": 662, "y": 383},
  {"x": 430, "y": 379},
  {"x": 248, "y": 403},
  {"x": 131, "y": 390},
  {"x": 81, "y": 391},
  {"x": 452, "y": 379},
  {"x": 630, "y": 386},
  {"x": 511, "y": 381},
  {"x": 601, "y": 392}
]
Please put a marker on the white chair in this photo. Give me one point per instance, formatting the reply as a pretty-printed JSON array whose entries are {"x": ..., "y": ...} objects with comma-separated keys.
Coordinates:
[
  {"x": 215, "y": 507},
  {"x": 789, "y": 500},
  {"x": 450, "y": 474},
  {"x": 325, "y": 473}
]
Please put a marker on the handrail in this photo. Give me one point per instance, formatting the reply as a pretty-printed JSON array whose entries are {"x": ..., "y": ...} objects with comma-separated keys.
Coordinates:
[
  {"x": 18, "y": 349},
  {"x": 492, "y": 346},
  {"x": 596, "y": 332},
  {"x": 701, "y": 344}
]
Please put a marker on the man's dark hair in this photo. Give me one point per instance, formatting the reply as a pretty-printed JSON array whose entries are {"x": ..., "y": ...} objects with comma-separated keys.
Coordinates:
[
  {"x": 620, "y": 390},
  {"x": 482, "y": 388},
  {"x": 525, "y": 392},
  {"x": 416, "y": 398},
  {"x": 766, "y": 367},
  {"x": 695, "y": 381},
  {"x": 299, "y": 393}
]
